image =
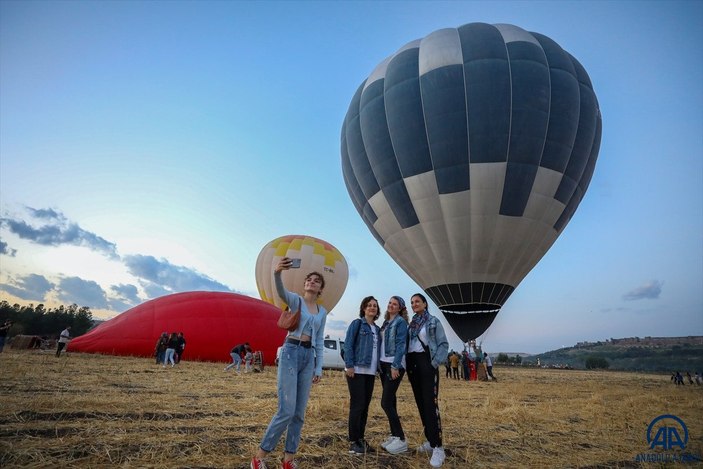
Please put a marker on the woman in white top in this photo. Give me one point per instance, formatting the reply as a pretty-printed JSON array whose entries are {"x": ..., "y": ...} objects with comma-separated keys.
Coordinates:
[
  {"x": 362, "y": 349},
  {"x": 394, "y": 346},
  {"x": 427, "y": 349}
]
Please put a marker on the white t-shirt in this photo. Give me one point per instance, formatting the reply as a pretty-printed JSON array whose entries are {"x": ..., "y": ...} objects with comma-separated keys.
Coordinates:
[
  {"x": 415, "y": 344},
  {"x": 65, "y": 336},
  {"x": 371, "y": 369}
]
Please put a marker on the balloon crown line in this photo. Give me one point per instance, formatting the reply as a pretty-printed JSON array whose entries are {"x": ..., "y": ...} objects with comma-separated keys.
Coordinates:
[{"x": 480, "y": 311}]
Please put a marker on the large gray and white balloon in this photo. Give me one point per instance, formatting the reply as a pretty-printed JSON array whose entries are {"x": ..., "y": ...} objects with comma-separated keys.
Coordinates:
[{"x": 466, "y": 153}]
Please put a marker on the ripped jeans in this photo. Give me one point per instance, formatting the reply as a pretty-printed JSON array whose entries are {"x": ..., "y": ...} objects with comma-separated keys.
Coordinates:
[{"x": 296, "y": 367}]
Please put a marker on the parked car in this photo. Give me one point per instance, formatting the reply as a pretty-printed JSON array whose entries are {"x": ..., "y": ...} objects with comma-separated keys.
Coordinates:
[{"x": 332, "y": 358}]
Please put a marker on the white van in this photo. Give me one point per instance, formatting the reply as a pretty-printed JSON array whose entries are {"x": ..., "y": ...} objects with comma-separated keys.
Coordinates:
[{"x": 332, "y": 358}]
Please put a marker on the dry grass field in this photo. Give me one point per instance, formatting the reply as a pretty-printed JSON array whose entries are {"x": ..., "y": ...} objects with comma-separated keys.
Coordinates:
[{"x": 97, "y": 411}]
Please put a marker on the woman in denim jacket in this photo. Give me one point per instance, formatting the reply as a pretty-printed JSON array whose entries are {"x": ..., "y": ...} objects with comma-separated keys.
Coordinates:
[
  {"x": 299, "y": 367},
  {"x": 394, "y": 346},
  {"x": 362, "y": 349},
  {"x": 427, "y": 350}
]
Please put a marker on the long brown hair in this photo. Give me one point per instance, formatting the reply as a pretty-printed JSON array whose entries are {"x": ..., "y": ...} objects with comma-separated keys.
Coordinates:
[{"x": 403, "y": 312}]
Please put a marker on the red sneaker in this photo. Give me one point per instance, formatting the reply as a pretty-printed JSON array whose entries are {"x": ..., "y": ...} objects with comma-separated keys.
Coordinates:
[
  {"x": 258, "y": 464},
  {"x": 289, "y": 464}
]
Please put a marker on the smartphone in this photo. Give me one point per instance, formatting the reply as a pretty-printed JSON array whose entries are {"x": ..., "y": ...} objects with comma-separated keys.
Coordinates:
[{"x": 295, "y": 263}]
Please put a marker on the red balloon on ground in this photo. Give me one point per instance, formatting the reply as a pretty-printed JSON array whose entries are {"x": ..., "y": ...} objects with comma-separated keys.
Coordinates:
[{"x": 212, "y": 323}]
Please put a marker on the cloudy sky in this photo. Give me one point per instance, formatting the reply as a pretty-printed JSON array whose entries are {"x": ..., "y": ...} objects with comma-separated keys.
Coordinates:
[{"x": 148, "y": 148}]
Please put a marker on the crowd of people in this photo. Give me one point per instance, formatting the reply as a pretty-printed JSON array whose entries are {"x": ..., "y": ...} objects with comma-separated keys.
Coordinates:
[
  {"x": 469, "y": 367},
  {"x": 677, "y": 378},
  {"x": 170, "y": 348}
]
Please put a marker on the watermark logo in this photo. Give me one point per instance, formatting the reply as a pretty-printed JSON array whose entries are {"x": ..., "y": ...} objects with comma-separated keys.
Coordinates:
[{"x": 667, "y": 434}]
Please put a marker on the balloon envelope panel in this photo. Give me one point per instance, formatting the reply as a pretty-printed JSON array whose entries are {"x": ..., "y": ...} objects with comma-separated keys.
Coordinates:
[
  {"x": 466, "y": 153},
  {"x": 315, "y": 255},
  {"x": 212, "y": 323}
]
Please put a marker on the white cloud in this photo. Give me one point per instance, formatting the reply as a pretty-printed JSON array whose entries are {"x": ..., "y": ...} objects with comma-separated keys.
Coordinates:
[{"x": 650, "y": 291}]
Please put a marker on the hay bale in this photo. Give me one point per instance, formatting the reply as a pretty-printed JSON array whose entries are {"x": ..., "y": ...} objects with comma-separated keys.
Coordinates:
[{"x": 23, "y": 342}]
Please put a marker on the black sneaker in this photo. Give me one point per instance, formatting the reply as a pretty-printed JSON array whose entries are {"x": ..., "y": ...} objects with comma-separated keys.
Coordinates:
[
  {"x": 357, "y": 447},
  {"x": 367, "y": 447}
]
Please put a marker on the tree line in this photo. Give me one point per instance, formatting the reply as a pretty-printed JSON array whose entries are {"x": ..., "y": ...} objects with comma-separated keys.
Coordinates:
[
  {"x": 503, "y": 358},
  {"x": 46, "y": 322}
]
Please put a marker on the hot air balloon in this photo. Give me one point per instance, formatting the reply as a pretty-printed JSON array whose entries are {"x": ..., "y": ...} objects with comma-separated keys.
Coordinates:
[
  {"x": 315, "y": 255},
  {"x": 466, "y": 153},
  {"x": 212, "y": 323}
]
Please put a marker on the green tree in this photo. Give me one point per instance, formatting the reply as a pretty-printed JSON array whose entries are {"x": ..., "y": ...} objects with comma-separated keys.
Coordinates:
[
  {"x": 502, "y": 358},
  {"x": 83, "y": 321},
  {"x": 50, "y": 322},
  {"x": 594, "y": 363}
]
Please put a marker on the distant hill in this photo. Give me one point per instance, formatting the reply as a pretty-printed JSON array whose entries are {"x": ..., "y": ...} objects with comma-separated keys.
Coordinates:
[{"x": 632, "y": 354}]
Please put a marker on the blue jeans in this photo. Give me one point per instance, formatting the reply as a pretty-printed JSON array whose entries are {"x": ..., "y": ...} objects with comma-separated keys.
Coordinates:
[
  {"x": 236, "y": 361},
  {"x": 170, "y": 352},
  {"x": 296, "y": 367}
]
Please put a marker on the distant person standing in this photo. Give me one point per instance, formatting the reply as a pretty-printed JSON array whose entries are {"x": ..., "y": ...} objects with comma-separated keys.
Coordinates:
[
  {"x": 181, "y": 347},
  {"x": 160, "y": 348},
  {"x": 688, "y": 376},
  {"x": 489, "y": 366},
  {"x": 171, "y": 350},
  {"x": 465, "y": 364},
  {"x": 454, "y": 360},
  {"x": 64, "y": 338},
  {"x": 248, "y": 357},
  {"x": 678, "y": 378},
  {"x": 3, "y": 333}
]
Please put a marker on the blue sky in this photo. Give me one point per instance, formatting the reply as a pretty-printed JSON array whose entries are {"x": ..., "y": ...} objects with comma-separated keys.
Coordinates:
[{"x": 154, "y": 147}]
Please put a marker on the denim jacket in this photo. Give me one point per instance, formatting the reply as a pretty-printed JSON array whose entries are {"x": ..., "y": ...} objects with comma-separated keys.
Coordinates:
[
  {"x": 358, "y": 344},
  {"x": 395, "y": 340},
  {"x": 314, "y": 323},
  {"x": 438, "y": 343}
]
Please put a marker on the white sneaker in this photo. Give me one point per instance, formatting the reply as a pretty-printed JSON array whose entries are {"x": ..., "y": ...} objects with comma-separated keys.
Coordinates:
[
  {"x": 437, "y": 457},
  {"x": 426, "y": 447},
  {"x": 388, "y": 441},
  {"x": 397, "y": 446}
]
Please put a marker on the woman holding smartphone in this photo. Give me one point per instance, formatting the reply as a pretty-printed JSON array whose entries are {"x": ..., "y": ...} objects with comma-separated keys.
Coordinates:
[{"x": 298, "y": 368}]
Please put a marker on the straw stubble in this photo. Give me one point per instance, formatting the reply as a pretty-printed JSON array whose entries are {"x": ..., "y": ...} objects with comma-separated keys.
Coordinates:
[{"x": 92, "y": 410}]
